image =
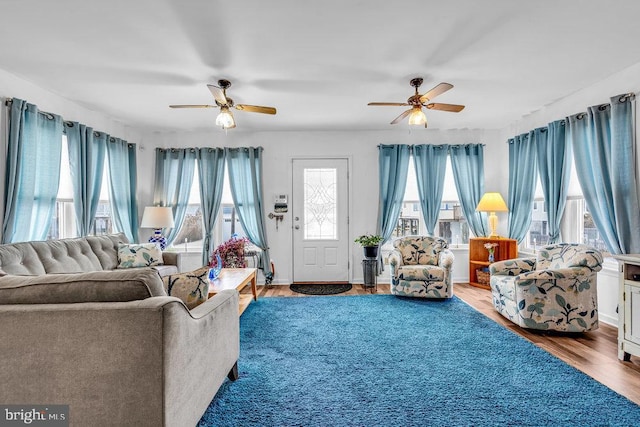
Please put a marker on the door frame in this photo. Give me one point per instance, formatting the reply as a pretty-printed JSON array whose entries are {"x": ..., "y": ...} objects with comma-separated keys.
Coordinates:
[{"x": 349, "y": 160}]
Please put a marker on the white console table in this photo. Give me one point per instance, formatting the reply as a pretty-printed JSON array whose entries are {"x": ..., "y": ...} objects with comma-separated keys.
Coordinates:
[{"x": 629, "y": 307}]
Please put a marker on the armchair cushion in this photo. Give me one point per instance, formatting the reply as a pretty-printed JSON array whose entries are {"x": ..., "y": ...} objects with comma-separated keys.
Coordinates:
[
  {"x": 421, "y": 272},
  {"x": 419, "y": 250}
]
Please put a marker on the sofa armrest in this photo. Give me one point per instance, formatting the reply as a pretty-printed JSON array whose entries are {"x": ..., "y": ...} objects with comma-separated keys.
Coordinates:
[
  {"x": 171, "y": 258},
  {"x": 446, "y": 259},
  {"x": 512, "y": 267},
  {"x": 200, "y": 350}
]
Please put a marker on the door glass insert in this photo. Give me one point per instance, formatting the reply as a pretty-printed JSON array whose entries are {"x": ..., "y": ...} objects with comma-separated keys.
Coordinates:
[{"x": 320, "y": 204}]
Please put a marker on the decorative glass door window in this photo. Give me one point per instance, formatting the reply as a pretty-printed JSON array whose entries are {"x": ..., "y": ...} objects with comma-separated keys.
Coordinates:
[{"x": 320, "y": 204}]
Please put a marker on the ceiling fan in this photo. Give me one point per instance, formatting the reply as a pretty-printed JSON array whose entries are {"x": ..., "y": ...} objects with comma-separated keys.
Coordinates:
[
  {"x": 225, "y": 117},
  {"x": 417, "y": 101}
]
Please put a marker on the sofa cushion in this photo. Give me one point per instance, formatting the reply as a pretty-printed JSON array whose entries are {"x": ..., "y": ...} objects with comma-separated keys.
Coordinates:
[
  {"x": 20, "y": 259},
  {"x": 106, "y": 248},
  {"x": 191, "y": 287},
  {"x": 139, "y": 255},
  {"x": 97, "y": 286},
  {"x": 67, "y": 256}
]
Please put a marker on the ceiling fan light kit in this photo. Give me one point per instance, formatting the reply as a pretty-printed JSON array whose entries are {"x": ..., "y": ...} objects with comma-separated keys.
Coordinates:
[
  {"x": 417, "y": 117},
  {"x": 417, "y": 101},
  {"x": 225, "y": 118}
]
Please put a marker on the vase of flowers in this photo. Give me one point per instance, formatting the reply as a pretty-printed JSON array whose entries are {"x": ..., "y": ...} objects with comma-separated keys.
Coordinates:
[
  {"x": 231, "y": 253},
  {"x": 491, "y": 248}
]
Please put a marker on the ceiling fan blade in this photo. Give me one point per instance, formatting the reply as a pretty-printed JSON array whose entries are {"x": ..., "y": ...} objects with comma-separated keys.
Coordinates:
[
  {"x": 454, "y": 108},
  {"x": 438, "y": 90},
  {"x": 218, "y": 94},
  {"x": 256, "y": 109},
  {"x": 393, "y": 104},
  {"x": 401, "y": 116},
  {"x": 193, "y": 106}
]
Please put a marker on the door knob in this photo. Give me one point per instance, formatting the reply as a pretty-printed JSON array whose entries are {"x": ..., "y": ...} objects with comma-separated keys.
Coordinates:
[{"x": 297, "y": 227}]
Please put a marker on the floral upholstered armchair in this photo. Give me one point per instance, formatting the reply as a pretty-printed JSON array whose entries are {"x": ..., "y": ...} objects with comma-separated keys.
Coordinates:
[
  {"x": 556, "y": 291},
  {"x": 421, "y": 267}
]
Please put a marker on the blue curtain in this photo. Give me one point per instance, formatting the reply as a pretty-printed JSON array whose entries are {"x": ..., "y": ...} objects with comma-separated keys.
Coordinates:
[
  {"x": 467, "y": 162},
  {"x": 431, "y": 163},
  {"x": 122, "y": 185},
  {"x": 393, "y": 166},
  {"x": 603, "y": 153},
  {"x": 245, "y": 180},
  {"x": 522, "y": 183},
  {"x": 173, "y": 180},
  {"x": 86, "y": 161},
  {"x": 554, "y": 169},
  {"x": 32, "y": 172},
  {"x": 211, "y": 174}
]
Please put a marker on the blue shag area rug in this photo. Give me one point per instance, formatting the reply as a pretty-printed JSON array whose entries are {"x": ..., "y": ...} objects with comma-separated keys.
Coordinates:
[{"x": 380, "y": 360}]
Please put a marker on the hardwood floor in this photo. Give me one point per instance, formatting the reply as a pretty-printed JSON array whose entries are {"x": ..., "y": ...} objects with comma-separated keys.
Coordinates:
[{"x": 594, "y": 353}]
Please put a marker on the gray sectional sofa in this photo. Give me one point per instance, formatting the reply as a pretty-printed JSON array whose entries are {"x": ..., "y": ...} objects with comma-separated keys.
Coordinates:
[{"x": 108, "y": 342}]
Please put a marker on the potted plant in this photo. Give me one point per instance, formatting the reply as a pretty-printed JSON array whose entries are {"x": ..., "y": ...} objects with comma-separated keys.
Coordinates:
[{"x": 370, "y": 243}]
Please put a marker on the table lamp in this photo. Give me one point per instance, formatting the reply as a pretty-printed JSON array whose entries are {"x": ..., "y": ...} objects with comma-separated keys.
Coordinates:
[
  {"x": 492, "y": 203},
  {"x": 157, "y": 217}
]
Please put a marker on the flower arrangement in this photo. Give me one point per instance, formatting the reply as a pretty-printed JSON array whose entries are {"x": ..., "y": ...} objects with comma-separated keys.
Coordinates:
[
  {"x": 491, "y": 248},
  {"x": 231, "y": 252}
]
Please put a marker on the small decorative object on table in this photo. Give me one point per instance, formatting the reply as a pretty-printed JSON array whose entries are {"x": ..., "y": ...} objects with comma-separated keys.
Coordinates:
[
  {"x": 491, "y": 247},
  {"x": 214, "y": 269}
]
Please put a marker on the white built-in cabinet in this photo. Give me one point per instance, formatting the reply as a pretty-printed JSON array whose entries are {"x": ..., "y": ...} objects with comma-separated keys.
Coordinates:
[{"x": 629, "y": 307}]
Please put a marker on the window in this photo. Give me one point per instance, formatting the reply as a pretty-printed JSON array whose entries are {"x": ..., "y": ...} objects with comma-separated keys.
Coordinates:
[
  {"x": 63, "y": 221},
  {"x": 191, "y": 235},
  {"x": 576, "y": 225},
  {"x": 452, "y": 226}
]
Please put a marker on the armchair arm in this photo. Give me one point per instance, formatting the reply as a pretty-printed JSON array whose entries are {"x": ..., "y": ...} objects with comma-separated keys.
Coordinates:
[
  {"x": 559, "y": 273},
  {"x": 395, "y": 258},
  {"x": 395, "y": 262},
  {"x": 446, "y": 259},
  {"x": 512, "y": 267}
]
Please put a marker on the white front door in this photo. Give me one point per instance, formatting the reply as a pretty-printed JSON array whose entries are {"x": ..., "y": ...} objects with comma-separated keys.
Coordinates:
[{"x": 320, "y": 220}]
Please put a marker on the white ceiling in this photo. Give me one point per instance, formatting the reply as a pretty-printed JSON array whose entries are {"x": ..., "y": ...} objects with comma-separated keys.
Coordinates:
[{"x": 318, "y": 62}]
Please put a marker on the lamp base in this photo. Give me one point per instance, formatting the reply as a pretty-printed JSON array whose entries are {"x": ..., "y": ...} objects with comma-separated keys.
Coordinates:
[{"x": 159, "y": 239}]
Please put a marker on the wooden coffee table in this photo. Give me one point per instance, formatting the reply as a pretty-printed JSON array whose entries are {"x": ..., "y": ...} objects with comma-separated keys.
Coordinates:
[{"x": 236, "y": 278}]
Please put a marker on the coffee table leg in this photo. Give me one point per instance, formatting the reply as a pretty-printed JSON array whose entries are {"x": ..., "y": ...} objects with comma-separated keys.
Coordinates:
[{"x": 253, "y": 287}]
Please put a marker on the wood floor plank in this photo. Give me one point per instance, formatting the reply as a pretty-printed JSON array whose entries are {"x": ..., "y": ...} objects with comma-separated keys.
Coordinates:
[{"x": 594, "y": 353}]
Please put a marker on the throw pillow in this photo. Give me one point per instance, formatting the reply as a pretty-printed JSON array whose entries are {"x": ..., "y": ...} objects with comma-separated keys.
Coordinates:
[
  {"x": 139, "y": 255},
  {"x": 192, "y": 287}
]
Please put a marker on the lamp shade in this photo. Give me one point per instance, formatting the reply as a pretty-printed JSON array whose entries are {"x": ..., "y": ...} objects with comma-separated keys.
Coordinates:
[
  {"x": 492, "y": 202},
  {"x": 157, "y": 217}
]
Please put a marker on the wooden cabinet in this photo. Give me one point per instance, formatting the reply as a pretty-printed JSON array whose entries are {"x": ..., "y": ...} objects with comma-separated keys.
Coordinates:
[
  {"x": 629, "y": 307},
  {"x": 479, "y": 255}
]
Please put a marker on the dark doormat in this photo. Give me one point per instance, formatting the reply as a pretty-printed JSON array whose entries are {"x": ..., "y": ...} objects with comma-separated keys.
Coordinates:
[{"x": 320, "y": 288}]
